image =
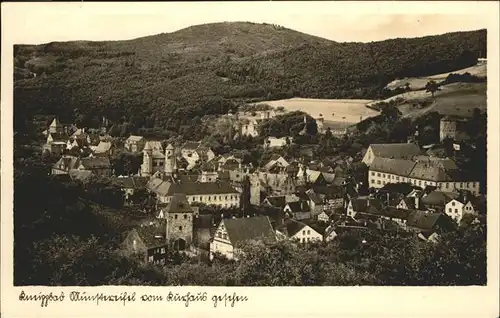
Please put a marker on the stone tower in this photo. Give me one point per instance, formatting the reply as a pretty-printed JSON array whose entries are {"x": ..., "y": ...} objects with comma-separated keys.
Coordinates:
[
  {"x": 170, "y": 161},
  {"x": 447, "y": 128},
  {"x": 147, "y": 161},
  {"x": 179, "y": 216}
]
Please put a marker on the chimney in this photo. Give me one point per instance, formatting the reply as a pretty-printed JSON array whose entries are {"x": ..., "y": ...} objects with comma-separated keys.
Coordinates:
[
  {"x": 368, "y": 202},
  {"x": 387, "y": 198},
  {"x": 417, "y": 202}
]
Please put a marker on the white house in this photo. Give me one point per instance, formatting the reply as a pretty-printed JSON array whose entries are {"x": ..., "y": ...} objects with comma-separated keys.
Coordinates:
[
  {"x": 299, "y": 210},
  {"x": 390, "y": 151},
  {"x": 300, "y": 232},
  {"x": 195, "y": 152},
  {"x": 323, "y": 217},
  {"x": 273, "y": 142},
  {"x": 457, "y": 209},
  {"x": 232, "y": 234}
]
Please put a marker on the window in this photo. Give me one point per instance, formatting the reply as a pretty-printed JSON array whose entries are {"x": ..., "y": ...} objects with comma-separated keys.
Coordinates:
[
  {"x": 397, "y": 178},
  {"x": 378, "y": 181},
  {"x": 446, "y": 185},
  {"x": 185, "y": 216},
  {"x": 226, "y": 197},
  {"x": 163, "y": 250},
  {"x": 378, "y": 174},
  {"x": 175, "y": 216},
  {"x": 308, "y": 232},
  {"x": 372, "y": 181},
  {"x": 220, "y": 197},
  {"x": 373, "y": 173},
  {"x": 453, "y": 203},
  {"x": 456, "y": 210},
  {"x": 383, "y": 175},
  {"x": 303, "y": 232},
  {"x": 180, "y": 228},
  {"x": 303, "y": 240},
  {"x": 449, "y": 210}
]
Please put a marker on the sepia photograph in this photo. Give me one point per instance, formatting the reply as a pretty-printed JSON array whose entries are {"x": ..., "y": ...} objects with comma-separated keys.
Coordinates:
[
  {"x": 253, "y": 153},
  {"x": 205, "y": 149}
]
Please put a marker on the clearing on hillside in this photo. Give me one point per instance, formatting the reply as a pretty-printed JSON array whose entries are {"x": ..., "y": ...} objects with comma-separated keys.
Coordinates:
[
  {"x": 417, "y": 83},
  {"x": 338, "y": 112}
]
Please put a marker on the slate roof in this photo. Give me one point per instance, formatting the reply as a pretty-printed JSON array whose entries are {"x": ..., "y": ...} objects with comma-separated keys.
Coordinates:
[
  {"x": 68, "y": 163},
  {"x": 317, "y": 198},
  {"x": 241, "y": 230},
  {"x": 95, "y": 163},
  {"x": 393, "y": 212},
  {"x": 361, "y": 205},
  {"x": 178, "y": 204},
  {"x": 292, "y": 227},
  {"x": 56, "y": 137},
  {"x": 400, "y": 151},
  {"x": 203, "y": 221},
  {"x": 152, "y": 235},
  {"x": 401, "y": 167}
]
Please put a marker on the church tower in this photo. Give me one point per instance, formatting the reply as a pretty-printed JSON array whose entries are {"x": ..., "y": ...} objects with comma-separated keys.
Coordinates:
[
  {"x": 170, "y": 162},
  {"x": 147, "y": 161}
]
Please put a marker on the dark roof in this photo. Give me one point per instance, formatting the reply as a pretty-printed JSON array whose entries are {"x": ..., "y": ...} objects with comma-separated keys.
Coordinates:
[
  {"x": 401, "y": 167},
  {"x": 299, "y": 206},
  {"x": 292, "y": 227},
  {"x": 276, "y": 201},
  {"x": 193, "y": 188},
  {"x": 178, "y": 204},
  {"x": 130, "y": 182},
  {"x": 315, "y": 197},
  {"x": 245, "y": 229},
  {"x": 152, "y": 235},
  {"x": 95, "y": 163},
  {"x": 203, "y": 221},
  {"x": 395, "y": 150},
  {"x": 402, "y": 188},
  {"x": 423, "y": 220},
  {"x": 59, "y": 137},
  {"x": 393, "y": 212},
  {"x": 366, "y": 205},
  {"x": 439, "y": 198},
  {"x": 67, "y": 163}
]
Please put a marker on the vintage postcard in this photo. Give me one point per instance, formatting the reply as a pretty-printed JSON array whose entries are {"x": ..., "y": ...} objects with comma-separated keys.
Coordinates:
[{"x": 328, "y": 159}]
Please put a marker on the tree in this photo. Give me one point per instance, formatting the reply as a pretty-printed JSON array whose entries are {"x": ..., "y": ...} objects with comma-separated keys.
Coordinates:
[{"x": 432, "y": 87}]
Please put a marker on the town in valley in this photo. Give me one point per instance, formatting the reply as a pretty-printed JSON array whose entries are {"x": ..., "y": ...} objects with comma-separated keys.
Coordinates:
[{"x": 182, "y": 159}]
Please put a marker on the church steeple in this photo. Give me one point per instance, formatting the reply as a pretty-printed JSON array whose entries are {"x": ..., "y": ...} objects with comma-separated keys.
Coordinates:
[{"x": 170, "y": 161}]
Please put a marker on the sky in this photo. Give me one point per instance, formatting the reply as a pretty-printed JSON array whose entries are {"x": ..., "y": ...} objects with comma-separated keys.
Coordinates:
[{"x": 348, "y": 22}]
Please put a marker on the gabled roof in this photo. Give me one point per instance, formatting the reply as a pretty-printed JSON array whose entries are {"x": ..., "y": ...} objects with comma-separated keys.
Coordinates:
[
  {"x": 152, "y": 235},
  {"x": 67, "y": 163},
  {"x": 276, "y": 201},
  {"x": 178, "y": 204},
  {"x": 292, "y": 227},
  {"x": 166, "y": 188},
  {"x": 135, "y": 138},
  {"x": 317, "y": 198},
  {"x": 155, "y": 145},
  {"x": 400, "y": 151},
  {"x": 130, "y": 182},
  {"x": 439, "y": 198},
  {"x": 58, "y": 137},
  {"x": 55, "y": 122},
  {"x": 242, "y": 230},
  {"x": 366, "y": 205}
]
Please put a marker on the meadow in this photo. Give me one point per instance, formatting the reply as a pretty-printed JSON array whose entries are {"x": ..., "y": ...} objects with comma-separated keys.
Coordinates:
[{"x": 335, "y": 111}]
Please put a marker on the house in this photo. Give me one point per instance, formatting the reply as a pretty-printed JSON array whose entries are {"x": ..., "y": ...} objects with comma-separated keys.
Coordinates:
[
  {"x": 210, "y": 193},
  {"x": 440, "y": 173},
  {"x": 135, "y": 144},
  {"x": 105, "y": 148},
  {"x": 316, "y": 202},
  {"x": 195, "y": 152},
  {"x": 179, "y": 216},
  {"x": 65, "y": 164},
  {"x": 323, "y": 217},
  {"x": 274, "y": 142},
  {"x": 100, "y": 167},
  {"x": 276, "y": 161},
  {"x": 55, "y": 127},
  {"x": 458, "y": 207},
  {"x": 55, "y": 143},
  {"x": 299, "y": 231},
  {"x": 390, "y": 151},
  {"x": 437, "y": 200},
  {"x": 232, "y": 234},
  {"x": 80, "y": 134},
  {"x": 248, "y": 127},
  {"x": 277, "y": 202},
  {"x": 129, "y": 185},
  {"x": 147, "y": 242},
  {"x": 363, "y": 206},
  {"x": 429, "y": 225},
  {"x": 299, "y": 210}
]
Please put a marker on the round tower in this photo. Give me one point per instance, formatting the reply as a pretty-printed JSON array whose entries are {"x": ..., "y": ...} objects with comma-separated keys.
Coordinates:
[
  {"x": 147, "y": 160},
  {"x": 170, "y": 162}
]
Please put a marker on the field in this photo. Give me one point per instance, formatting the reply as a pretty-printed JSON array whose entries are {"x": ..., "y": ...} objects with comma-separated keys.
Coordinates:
[
  {"x": 338, "y": 112},
  {"x": 417, "y": 83},
  {"x": 453, "y": 99}
]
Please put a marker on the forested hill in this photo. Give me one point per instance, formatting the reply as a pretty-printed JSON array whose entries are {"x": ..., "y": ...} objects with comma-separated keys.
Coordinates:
[{"x": 206, "y": 68}]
